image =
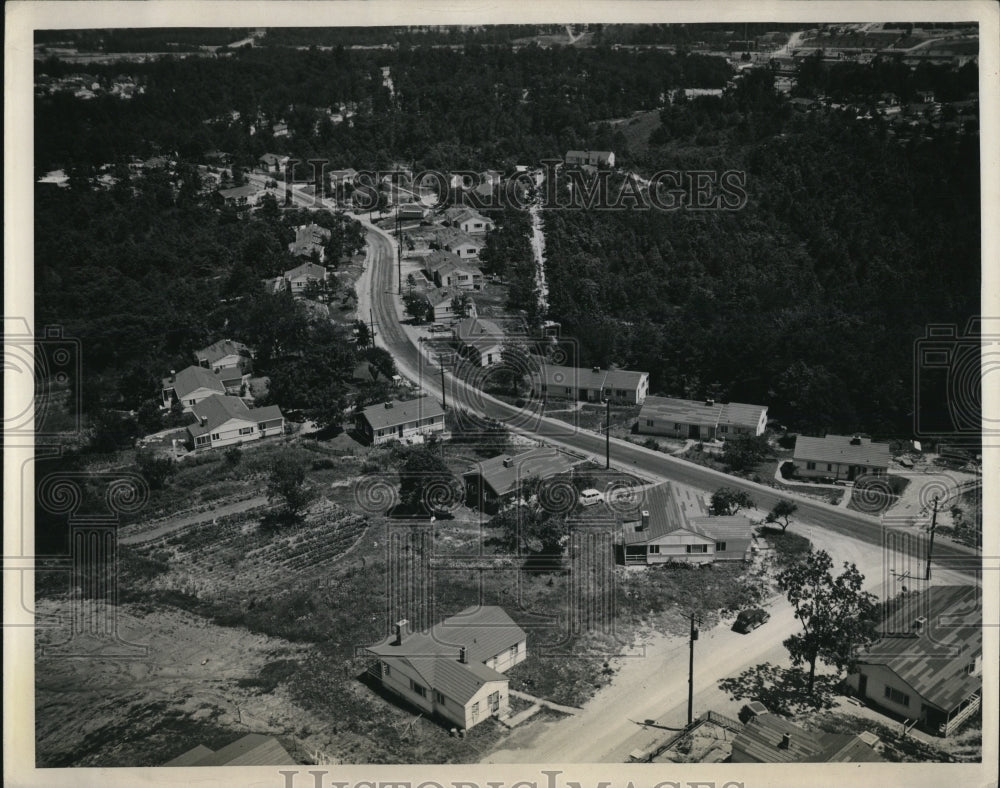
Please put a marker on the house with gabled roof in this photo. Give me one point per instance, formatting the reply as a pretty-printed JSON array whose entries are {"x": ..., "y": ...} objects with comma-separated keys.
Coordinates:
[
  {"x": 492, "y": 484},
  {"x": 225, "y": 354},
  {"x": 439, "y": 303},
  {"x": 224, "y": 420},
  {"x": 668, "y": 525},
  {"x": 480, "y": 341},
  {"x": 195, "y": 383},
  {"x": 455, "y": 240},
  {"x": 928, "y": 664},
  {"x": 407, "y": 422},
  {"x": 447, "y": 269},
  {"x": 455, "y": 670},
  {"x": 241, "y": 196},
  {"x": 273, "y": 162},
  {"x": 297, "y": 279},
  {"x": 310, "y": 239},
  {"x": 595, "y": 384},
  {"x": 254, "y": 749},
  {"x": 702, "y": 420},
  {"x": 839, "y": 457},
  {"x": 467, "y": 220},
  {"x": 595, "y": 158}
]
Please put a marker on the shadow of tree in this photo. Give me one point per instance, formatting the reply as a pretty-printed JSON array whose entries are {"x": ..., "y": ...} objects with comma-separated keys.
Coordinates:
[{"x": 783, "y": 690}]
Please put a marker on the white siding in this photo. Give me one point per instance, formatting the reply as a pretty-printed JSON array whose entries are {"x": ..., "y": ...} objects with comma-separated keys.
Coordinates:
[
  {"x": 426, "y": 426},
  {"x": 507, "y": 659}
]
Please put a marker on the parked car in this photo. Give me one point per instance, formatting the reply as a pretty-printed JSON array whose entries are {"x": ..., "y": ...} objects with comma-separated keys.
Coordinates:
[
  {"x": 748, "y": 620},
  {"x": 590, "y": 497}
]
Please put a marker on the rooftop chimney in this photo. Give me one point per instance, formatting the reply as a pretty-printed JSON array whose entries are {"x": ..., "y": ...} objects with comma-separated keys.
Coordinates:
[
  {"x": 919, "y": 624},
  {"x": 173, "y": 375},
  {"x": 710, "y": 402},
  {"x": 856, "y": 440},
  {"x": 204, "y": 420},
  {"x": 463, "y": 655},
  {"x": 401, "y": 627},
  {"x": 644, "y": 522},
  {"x": 388, "y": 405},
  {"x": 508, "y": 462},
  {"x": 786, "y": 741},
  {"x": 595, "y": 369}
]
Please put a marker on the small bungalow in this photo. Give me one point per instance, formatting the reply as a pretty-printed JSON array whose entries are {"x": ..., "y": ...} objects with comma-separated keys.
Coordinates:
[
  {"x": 195, "y": 383},
  {"x": 467, "y": 220},
  {"x": 273, "y": 162},
  {"x": 299, "y": 277},
  {"x": 411, "y": 211},
  {"x": 449, "y": 270},
  {"x": 240, "y": 196},
  {"x": 439, "y": 304},
  {"x": 591, "y": 385},
  {"x": 839, "y": 457},
  {"x": 254, "y": 749},
  {"x": 669, "y": 527},
  {"x": 455, "y": 670},
  {"x": 455, "y": 240},
  {"x": 928, "y": 666},
  {"x": 310, "y": 240},
  {"x": 407, "y": 421},
  {"x": 492, "y": 484},
  {"x": 595, "y": 158},
  {"x": 700, "y": 420},
  {"x": 223, "y": 421},
  {"x": 480, "y": 341},
  {"x": 349, "y": 175},
  {"x": 225, "y": 355}
]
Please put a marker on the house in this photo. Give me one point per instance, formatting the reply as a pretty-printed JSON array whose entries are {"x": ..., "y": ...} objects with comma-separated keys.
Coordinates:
[
  {"x": 595, "y": 158},
  {"x": 195, "y": 383},
  {"x": 411, "y": 211},
  {"x": 439, "y": 304},
  {"x": 703, "y": 420},
  {"x": 454, "y": 671},
  {"x": 280, "y": 129},
  {"x": 928, "y": 664},
  {"x": 273, "y": 162},
  {"x": 480, "y": 341},
  {"x": 225, "y": 355},
  {"x": 299, "y": 277},
  {"x": 254, "y": 749},
  {"x": 310, "y": 239},
  {"x": 455, "y": 240},
  {"x": 403, "y": 421},
  {"x": 240, "y": 196},
  {"x": 350, "y": 175},
  {"x": 492, "y": 484},
  {"x": 769, "y": 738},
  {"x": 224, "y": 420},
  {"x": 591, "y": 385},
  {"x": 467, "y": 220},
  {"x": 670, "y": 526},
  {"x": 490, "y": 178},
  {"x": 449, "y": 270},
  {"x": 839, "y": 457}
]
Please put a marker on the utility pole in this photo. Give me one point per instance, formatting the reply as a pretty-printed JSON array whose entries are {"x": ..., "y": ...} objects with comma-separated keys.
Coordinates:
[
  {"x": 693, "y": 638},
  {"x": 930, "y": 546},
  {"x": 607, "y": 435},
  {"x": 444, "y": 402},
  {"x": 399, "y": 250},
  {"x": 371, "y": 322}
]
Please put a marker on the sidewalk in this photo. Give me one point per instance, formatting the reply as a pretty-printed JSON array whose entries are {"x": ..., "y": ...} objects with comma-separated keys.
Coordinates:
[{"x": 547, "y": 703}]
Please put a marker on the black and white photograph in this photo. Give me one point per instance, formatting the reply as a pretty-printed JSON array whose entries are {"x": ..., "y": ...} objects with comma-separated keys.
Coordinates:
[{"x": 445, "y": 392}]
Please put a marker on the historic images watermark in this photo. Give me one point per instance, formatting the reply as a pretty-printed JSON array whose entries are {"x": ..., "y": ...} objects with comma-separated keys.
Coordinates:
[{"x": 551, "y": 185}]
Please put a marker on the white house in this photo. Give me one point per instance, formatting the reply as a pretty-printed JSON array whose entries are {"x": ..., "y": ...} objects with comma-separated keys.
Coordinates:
[
  {"x": 455, "y": 671},
  {"x": 594, "y": 158},
  {"x": 467, "y": 220},
  {"x": 310, "y": 238},
  {"x": 839, "y": 457},
  {"x": 449, "y": 270},
  {"x": 407, "y": 422},
  {"x": 700, "y": 420},
  {"x": 439, "y": 301},
  {"x": 298, "y": 278},
  {"x": 480, "y": 341},
  {"x": 223, "y": 421},
  {"x": 455, "y": 240},
  {"x": 195, "y": 383},
  {"x": 225, "y": 354},
  {"x": 591, "y": 385}
]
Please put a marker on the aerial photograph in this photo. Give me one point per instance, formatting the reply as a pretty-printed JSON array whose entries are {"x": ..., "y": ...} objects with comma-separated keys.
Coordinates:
[{"x": 508, "y": 394}]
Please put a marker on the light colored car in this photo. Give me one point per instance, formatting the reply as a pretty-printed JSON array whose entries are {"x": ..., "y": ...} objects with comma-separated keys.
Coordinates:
[{"x": 590, "y": 497}]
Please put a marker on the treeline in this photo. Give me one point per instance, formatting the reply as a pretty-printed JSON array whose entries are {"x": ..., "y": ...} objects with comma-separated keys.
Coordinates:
[
  {"x": 479, "y": 106},
  {"x": 847, "y": 81},
  {"x": 809, "y": 299}
]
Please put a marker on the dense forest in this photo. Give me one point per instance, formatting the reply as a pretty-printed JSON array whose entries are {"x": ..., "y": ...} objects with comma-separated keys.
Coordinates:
[{"x": 811, "y": 297}]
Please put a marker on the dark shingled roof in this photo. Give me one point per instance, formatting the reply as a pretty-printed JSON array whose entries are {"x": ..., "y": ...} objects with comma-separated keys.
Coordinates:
[
  {"x": 838, "y": 448},
  {"x": 761, "y": 741},
  {"x": 193, "y": 378},
  {"x": 254, "y": 749},
  {"x": 380, "y": 417}
]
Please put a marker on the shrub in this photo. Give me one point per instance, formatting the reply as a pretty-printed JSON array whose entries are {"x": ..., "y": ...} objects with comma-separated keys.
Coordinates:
[{"x": 324, "y": 464}]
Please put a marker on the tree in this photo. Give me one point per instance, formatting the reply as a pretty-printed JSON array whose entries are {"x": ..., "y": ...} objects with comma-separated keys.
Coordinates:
[
  {"x": 461, "y": 304},
  {"x": 416, "y": 306},
  {"x": 232, "y": 456},
  {"x": 838, "y": 617},
  {"x": 743, "y": 452},
  {"x": 782, "y": 513},
  {"x": 726, "y": 501},
  {"x": 427, "y": 485},
  {"x": 156, "y": 468},
  {"x": 530, "y": 529},
  {"x": 286, "y": 485}
]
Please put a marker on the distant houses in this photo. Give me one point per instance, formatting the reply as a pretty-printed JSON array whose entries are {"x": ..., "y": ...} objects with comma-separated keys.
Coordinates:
[
  {"x": 704, "y": 420},
  {"x": 667, "y": 527},
  {"x": 195, "y": 383},
  {"x": 492, "y": 484},
  {"x": 310, "y": 241},
  {"x": 480, "y": 341},
  {"x": 407, "y": 422},
  {"x": 928, "y": 664},
  {"x": 591, "y": 385},
  {"x": 254, "y": 749},
  {"x": 839, "y": 457},
  {"x": 594, "y": 158},
  {"x": 454, "y": 672},
  {"x": 224, "y": 421}
]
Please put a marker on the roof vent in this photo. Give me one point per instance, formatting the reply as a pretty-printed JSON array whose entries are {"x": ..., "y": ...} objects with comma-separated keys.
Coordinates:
[
  {"x": 856, "y": 440},
  {"x": 710, "y": 402},
  {"x": 508, "y": 462}
]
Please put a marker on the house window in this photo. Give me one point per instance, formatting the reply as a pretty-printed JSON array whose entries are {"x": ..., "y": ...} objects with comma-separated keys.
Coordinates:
[
  {"x": 475, "y": 709},
  {"x": 723, "y": 429},
  {"x": 649, "y": 422},
  {"x": 896, "y": 696},
  {"x": 697, "y": 548},
  {"x": 192, "y": 402},
  {"x": 653, "y": 548},
  {"x": 386, "y": 671},
  {"x": 720, "y": 547},
  {"x": 829, "y": 466},
  {"x": 246, "y": 430},
  {"x": 677, "y": 428},
  {"x": 514, "y": 649},
  {"x": 810, "y": 466},
  {"x": 438, "y": 698},
  {"x": 569, "y": 390},
  {"x": 420, "y": 689},
  {"x": 215, "y": 436}
]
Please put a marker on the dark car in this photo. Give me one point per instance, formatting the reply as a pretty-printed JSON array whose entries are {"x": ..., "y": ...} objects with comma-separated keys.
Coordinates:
[{"x": 749, "y": 620}]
